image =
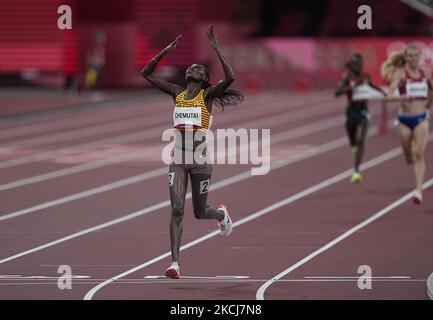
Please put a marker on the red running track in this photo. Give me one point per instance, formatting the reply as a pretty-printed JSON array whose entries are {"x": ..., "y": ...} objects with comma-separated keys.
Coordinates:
[{"x": 103, "y": 210}]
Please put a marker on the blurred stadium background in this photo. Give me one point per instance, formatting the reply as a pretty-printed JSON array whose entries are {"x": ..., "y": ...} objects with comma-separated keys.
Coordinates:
[
  {"x": 81, "y": 181},
  {"x": 272, "y": 44}
]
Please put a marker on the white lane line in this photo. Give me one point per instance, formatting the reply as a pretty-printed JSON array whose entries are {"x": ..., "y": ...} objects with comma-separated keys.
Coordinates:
[
  {"x": 107, "y": 113},
  {"x": 192, "y": 282},
  {"x": 178, "y": 281},
  {"x": 107, "y": 161},
  {"x": 322, "y": 185},
  {"x": 332, "y": 145},
  {"x": 260, "y": 293},
  {"x": 20, "y": 277},
  {"x": 84, "y": 132},
  {"x": 280, "y": 137},
  {"x": 284, "y": 136},
  {"x": 201, "y": 277},
  {"x": 135, "y": 104},
  {"x": 123, "y": 105},
  {"x": 87, "y": 193},
  {"x": 93, "y": 129},
  {"x": 357, "y": 277},
  {"x": 158, "y": 206},
  {"x": 87, "y": 265},
  {"x": 141, "y": 136},
  {"x": 86, "y": 118},
  {"x": 98, "y": 128},
  {"x": 192, "y": 279}
]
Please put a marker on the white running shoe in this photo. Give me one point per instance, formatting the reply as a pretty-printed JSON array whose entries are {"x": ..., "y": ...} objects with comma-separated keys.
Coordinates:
[
  {"x": 173, "y": 272},
  {"x": 417, "y": 197},
  {"x": 226, "y": 223}
]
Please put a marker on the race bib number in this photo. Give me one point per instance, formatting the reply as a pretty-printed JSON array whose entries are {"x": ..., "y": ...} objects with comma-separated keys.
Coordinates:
[
  {"x": 187, "y": 116},
  {"x": 417, "y": 89},
  {"x": 365, "y": 92},
  {"x": 170, "y": 178},
  {"x": 204, "y": 186}
]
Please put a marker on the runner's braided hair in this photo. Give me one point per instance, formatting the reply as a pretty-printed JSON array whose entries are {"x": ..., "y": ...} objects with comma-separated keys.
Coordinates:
[{"x": 228, "y": 98}]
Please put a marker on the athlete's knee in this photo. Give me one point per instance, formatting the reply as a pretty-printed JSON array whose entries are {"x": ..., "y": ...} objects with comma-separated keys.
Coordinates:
[
  {"x": 177, "y": 213},
  {"x": 419, "y": 154}
]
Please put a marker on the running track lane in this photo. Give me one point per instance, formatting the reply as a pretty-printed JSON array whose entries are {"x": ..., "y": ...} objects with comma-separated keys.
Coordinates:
[
  {"x": 346, "y": 151},
  {"x": 92, "y": 204},
  {"x": 78, "y": 219},
  {"x": 138, "y": 158},
  {"x": 303, "y": 227},
  {"x": 163, "y": 224}
]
